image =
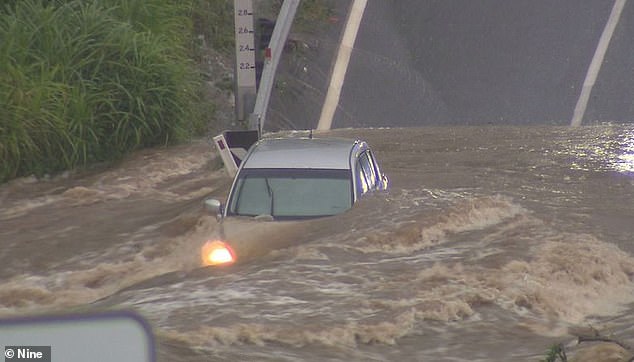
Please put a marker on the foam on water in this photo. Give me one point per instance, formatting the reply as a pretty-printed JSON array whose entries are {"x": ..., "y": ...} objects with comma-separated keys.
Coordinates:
[
  {"x": 467, "y": 215},
  {"x": 348, "y": 334},
  {"x": 143, "y": 174},
  {"x": 92, "y": 276},
  {"x": 341, "y": 291}
]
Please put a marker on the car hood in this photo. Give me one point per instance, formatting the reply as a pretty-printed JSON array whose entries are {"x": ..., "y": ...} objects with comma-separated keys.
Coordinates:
[{"x": 251, "y": 238}]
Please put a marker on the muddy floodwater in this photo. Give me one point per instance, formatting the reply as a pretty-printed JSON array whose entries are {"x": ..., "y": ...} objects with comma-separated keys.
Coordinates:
[{"x": 492, "y": 244}]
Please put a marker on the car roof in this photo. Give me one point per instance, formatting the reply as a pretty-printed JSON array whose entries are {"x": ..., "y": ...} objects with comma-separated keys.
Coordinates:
[{"x": 300, "y": 152}]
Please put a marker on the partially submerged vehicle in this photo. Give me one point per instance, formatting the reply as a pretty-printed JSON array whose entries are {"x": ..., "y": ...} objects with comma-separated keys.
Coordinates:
[{"x": 291, "y": 179}]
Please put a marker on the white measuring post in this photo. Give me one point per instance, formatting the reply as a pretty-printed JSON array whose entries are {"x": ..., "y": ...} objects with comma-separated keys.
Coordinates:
[{"x": 245, "y": 58}]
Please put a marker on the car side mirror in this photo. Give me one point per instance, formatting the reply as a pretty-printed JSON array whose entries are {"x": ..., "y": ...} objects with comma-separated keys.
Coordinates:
[
  {"x": 213, "y": 206},
  {"x": 384, "y": 182}
]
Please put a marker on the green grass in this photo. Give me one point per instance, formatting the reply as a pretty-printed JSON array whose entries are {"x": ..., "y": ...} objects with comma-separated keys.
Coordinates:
[
  {"x": 556, "y": 353},
  {"x": 311, "y": 14},
  {"x": 89, "y": 81}
]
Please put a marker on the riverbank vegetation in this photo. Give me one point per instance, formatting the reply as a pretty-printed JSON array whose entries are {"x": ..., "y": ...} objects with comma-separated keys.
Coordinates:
[
  {"x": 601, "y": 348},
  {"x": 86, "y": 82},
  {"x": 89, "y": 81}
]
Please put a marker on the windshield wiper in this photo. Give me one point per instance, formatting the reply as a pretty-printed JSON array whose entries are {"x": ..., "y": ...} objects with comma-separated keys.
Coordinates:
[{"x": 270, "y": 191}]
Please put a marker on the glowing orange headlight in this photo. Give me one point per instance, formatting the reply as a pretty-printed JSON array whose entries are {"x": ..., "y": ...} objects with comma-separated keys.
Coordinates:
[{"x": 215, "y": 252}]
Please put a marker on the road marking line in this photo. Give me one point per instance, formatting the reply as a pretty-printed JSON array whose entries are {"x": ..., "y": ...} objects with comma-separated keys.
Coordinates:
[
  {"x": 341, "y": 65},
  {"x": 597, "y": 61}
]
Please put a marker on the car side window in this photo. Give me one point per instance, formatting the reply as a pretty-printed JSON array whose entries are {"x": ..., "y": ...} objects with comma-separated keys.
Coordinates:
[
  {"x": 362, "y": 183},
  {"x": 252, "y": 197},
  {"x": 375, "y": 168},
  {"x": 368, "y": 170}
]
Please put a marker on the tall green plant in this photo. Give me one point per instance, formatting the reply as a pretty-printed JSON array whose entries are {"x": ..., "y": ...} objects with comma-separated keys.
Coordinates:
[{"x": 84, "y": 82}]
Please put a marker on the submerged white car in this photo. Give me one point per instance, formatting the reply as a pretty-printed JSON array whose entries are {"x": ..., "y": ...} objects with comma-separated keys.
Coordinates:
[{"x": 294, "y": 179}]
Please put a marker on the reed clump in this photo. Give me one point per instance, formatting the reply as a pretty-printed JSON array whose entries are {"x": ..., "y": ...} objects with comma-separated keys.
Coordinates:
[{"x": 88, "y": 81}]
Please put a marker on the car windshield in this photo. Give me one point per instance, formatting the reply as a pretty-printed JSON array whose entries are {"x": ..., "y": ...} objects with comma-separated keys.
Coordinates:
[{"x": 291, "y": 193}]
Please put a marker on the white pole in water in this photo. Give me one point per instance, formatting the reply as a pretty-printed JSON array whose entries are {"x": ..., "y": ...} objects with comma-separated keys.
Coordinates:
[
  {"x": 597, "y": 61},
  {"x": 278, "y": 40},
  {"x": 341, "y": 64}
]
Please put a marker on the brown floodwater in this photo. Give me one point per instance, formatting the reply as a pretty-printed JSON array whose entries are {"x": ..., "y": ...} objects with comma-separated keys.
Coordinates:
[{"x": 492, "y": 244}]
